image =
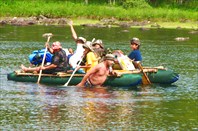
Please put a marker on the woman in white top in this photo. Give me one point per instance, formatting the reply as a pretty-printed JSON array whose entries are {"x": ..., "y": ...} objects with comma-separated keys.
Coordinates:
[{"x": 78, "y": 54}]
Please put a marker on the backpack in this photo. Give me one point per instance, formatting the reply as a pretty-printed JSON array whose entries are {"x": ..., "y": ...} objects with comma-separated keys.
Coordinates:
[
  {"x": 36, "y": 57},
  {"x": 124, "y": 61}
]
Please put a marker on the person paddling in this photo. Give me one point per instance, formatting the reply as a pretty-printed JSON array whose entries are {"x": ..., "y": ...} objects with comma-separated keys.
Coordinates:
[
  {"x": 98, "y": 74},
  {"x": 58, "y": 64}
]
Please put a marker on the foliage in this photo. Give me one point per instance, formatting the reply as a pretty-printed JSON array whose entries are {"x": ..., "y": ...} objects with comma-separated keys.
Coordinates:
[
  {"x": 136, "y": 10},
  {"x": 135, "y": 4},
  {"x": 181, "y": 4}
]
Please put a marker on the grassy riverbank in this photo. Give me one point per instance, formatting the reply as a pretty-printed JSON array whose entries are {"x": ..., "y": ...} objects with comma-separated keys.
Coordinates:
[
  {"x": 92, "y": 13},
  {"x": 73, "y": 10}
]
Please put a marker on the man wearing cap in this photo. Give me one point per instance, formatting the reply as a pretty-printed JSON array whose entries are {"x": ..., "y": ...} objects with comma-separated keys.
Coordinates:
[
  {"x": 77, "y": 56},
  {"x": 135, "y": 55},
  {"x": 58, "y": 64},
  {"x": 98, "y": 74},
  {"x": 98, "y": 48},
  {"x": 91, "y": 59}
]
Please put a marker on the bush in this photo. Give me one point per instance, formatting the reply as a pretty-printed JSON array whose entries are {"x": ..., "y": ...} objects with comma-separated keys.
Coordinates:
[{"x": 135, "y": 4}]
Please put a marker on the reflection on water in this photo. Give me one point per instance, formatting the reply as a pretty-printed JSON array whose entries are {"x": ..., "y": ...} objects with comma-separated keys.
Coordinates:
[
  {"x": 154, "y": 107},
  {"x": 32, "y": 106}
]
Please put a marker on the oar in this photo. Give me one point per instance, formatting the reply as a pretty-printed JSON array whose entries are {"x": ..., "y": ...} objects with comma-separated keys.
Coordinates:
[
  {"x": 48, "y": 35},
  {"x": 66, "y": 84},
  {"x": 145, "y": 79}
]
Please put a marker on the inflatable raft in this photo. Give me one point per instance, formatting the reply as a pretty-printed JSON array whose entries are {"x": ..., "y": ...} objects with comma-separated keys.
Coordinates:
[{"x": 124, "y": 79}]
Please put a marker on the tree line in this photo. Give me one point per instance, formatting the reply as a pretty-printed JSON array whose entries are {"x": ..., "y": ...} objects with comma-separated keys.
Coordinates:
[{"x": 133, "y": 3}]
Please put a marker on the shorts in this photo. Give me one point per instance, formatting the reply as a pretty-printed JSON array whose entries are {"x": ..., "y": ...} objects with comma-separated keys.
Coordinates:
[
  {"x": 89, "y": 84},
  {"x": 53, "y": 71}
]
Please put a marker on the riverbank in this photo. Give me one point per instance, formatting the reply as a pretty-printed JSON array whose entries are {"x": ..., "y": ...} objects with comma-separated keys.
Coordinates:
[
  {"x": 42, "y": 20},
  {"x": 40, "y": 12}
]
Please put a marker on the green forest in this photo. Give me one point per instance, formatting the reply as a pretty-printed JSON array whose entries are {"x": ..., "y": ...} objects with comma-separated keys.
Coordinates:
[{"x": 156, "y": 10}]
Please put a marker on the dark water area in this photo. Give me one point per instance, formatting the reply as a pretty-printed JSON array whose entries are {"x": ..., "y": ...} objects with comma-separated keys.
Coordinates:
[{"x": 29, "y": 106}]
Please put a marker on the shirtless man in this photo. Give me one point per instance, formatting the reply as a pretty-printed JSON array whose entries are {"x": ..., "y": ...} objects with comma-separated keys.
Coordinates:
[{"x": 98, "y": 74}]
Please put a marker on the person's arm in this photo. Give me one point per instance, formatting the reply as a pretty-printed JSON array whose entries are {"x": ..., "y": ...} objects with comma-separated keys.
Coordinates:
[
  {"x": 112, "y": 72},
  {"x": 74, "y": 35},
  {"x": 86, "y": 66},
  {"x": 51, "y": 66},
  {"x": 92, "y": 71},
  {"x": 49, "y": 48},
  {"x": 54, "y": 64},
  {"x": 118, "y": 51}
]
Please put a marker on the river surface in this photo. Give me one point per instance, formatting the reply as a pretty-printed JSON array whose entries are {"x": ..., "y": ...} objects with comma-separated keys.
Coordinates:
[{"x": 29, "y": 106}]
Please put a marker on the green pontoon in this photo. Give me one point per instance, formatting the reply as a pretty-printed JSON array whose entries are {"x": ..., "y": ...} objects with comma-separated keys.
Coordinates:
[{"x": 124, "y": 79}]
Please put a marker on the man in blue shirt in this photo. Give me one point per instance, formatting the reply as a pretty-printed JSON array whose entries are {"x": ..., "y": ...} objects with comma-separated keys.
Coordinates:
[{"x": 135, "y": 55}]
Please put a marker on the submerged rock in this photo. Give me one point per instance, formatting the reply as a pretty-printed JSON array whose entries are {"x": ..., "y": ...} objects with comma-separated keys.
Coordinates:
[
  {"x": 3, "y": 22},
  {"x": 94, "y": 25},
  {"x": 125, "y": 31},
  {"x": 193, "y": 32},
  {"x": 182, "y": 38}
]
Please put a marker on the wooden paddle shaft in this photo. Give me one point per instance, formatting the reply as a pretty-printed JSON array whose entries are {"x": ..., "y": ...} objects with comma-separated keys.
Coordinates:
[
  {"x": 48, "y": 39},
  {"x": 145, "y": 75},
  {"x": 66, "y": 84}
]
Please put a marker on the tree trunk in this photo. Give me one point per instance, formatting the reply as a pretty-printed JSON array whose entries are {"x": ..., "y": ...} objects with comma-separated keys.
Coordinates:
[
  {"x": 86, "y": 2},
  {"x": 112, "y": 2}
]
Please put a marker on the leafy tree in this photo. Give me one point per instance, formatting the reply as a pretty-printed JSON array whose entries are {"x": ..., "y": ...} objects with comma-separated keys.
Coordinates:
[{"x": 135, "y": 4}]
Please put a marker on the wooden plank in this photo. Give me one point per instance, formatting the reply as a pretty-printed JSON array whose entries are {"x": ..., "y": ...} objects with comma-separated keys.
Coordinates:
[
  {"x": 137, "y": 71},
  {"x": 158, "y": 67},
  {"x": 59, "y": 74},
  {"x": 62, "y": 74}
]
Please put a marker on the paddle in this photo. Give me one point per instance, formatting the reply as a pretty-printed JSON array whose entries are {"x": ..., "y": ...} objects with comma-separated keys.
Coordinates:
[
  {"x": 145, "y": 79},
  {"x": 48, "y": 35},
  {"x": 66, "y": 84}
]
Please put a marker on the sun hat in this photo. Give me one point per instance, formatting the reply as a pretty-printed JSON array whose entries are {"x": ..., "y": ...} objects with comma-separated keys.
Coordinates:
[
  {"x": 98, "y": 42},
  {"x": 135, "y": 40},
  {"x": 56, "y": 45},
  {"x": 109, "y": 57},
  {"x": 82, "y": 39},
  {"x": 88, "y": 45}
]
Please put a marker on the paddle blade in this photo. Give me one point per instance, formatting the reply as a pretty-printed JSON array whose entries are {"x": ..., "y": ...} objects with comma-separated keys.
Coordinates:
[
  {"x": 47, "y": 35},
  {"x": 145, "y": 80},
  {"x": 66, "y": 84}
]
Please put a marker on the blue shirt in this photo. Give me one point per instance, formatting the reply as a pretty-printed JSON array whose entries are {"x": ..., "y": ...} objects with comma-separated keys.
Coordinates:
[{"x": 136, "y": 55}]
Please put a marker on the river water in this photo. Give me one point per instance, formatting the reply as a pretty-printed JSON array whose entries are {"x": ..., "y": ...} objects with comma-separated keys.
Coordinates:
[{"x": 29, "y": 106}]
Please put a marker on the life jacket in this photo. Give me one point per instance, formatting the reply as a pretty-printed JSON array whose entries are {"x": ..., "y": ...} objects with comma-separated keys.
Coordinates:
[{"x": 36, "y": 57}]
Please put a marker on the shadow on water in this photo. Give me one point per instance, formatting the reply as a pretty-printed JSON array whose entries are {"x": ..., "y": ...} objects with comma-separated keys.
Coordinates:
[{"x": 49, "y": 107}]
